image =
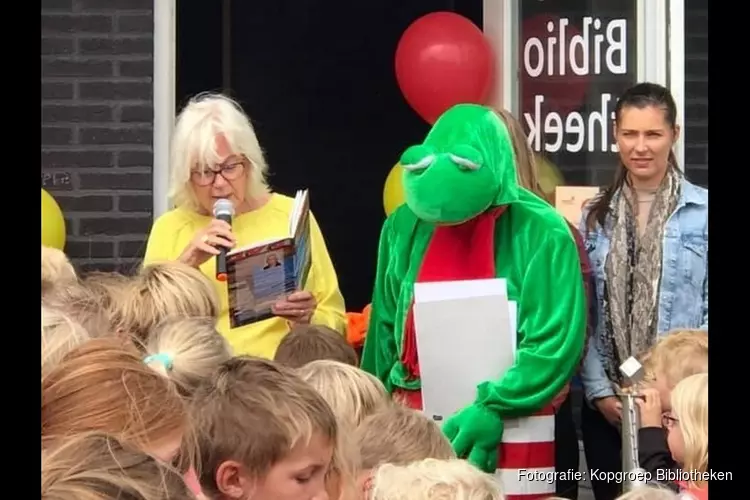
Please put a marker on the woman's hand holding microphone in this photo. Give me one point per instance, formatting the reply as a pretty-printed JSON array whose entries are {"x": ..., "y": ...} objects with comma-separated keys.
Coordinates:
[{"x": 207, "y": 242}]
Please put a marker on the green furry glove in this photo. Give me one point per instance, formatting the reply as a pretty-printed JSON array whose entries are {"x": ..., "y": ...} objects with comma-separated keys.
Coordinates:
[{"x": 475, "y": 434}]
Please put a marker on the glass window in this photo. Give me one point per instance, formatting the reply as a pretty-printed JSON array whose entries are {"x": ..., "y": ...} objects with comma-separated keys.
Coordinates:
[{"x": 575, "y": 59}]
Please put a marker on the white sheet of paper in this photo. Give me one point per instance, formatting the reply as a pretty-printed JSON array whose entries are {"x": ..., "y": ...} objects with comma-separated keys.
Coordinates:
[
  {"x": 464, "y": 337},
  {"x": 513, "y": 316},
  {"x": 452, "y": 290}
]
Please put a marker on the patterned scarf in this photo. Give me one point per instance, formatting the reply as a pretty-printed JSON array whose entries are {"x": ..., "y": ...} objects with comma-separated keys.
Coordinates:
[{"x": 633, "y": 273}]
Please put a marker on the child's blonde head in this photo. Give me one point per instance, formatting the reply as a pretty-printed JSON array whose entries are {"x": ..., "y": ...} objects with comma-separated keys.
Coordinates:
[
  {"x": 432, "y": 479},
  {"x": 60, "y": 334},
  {"x": 166, "y": 290},
  {"x": 306, "y": 343},
  {"x": 103, "y": 385},
  {"x": 98, "y": 467},
  {"x": 690, "y": 408},
  {"x": 649, "y": 493},
  {"x": 254, "y": 412},
  {"x": 352, "y": 394},
  {"x": 677, "y": 355},
  {"x": 400, "y": 435},
  {"x": 81, "y": 305},
  {"x": 187, "y": 351},
  {"x": 56, "y": 269},
  {"x": 111, "y": 289}
]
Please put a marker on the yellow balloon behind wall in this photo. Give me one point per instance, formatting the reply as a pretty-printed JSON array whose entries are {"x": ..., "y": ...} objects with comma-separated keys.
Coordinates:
[
  {"x": 53, "y": 223},
  {"x": 393, "y": 192},
  {"x": 549, "y": 177}
]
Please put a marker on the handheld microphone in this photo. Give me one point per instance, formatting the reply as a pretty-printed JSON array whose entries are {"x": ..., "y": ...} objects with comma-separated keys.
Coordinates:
[{"x": 223, "y": 210}]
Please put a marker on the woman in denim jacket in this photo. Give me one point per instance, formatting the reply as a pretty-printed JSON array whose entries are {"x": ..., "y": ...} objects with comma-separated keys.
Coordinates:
[{"x": 647, "y": 238}]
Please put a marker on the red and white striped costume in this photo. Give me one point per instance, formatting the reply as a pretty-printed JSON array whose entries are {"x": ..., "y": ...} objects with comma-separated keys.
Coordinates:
[{"x": 528, "y": 445}]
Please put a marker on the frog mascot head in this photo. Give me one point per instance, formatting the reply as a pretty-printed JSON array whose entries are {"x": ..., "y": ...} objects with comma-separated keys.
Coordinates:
[
  {"x": 466, "y": 218},
  {"x": 463, "y": 167}
]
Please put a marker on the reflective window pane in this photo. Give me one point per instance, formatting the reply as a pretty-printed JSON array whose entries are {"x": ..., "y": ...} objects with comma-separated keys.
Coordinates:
[{"x": 575, "y": 59}]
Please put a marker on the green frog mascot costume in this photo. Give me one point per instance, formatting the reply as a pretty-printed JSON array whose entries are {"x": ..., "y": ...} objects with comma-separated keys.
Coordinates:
[{"x": 466, "y": 218}]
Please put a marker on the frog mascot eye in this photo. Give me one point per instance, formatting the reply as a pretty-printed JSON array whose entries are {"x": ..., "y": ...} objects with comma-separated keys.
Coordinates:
[
  {"x": 466, "y": 157},
  {"x": 417, "y": 158}
]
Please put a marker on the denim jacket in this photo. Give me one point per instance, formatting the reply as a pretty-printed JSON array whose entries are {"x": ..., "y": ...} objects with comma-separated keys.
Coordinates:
[{"x": 683, "y": 292}]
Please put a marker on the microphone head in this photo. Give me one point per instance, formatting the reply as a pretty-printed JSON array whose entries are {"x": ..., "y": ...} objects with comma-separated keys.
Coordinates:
[{"x": 223, "y": 206}]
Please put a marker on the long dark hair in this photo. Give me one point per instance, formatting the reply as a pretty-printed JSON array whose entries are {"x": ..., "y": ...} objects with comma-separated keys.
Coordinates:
[{"x": 639, "y": 96}]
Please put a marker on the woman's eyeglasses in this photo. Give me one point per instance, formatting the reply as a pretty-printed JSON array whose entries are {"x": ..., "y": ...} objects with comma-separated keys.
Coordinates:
[{"x": 229, "y": 171}]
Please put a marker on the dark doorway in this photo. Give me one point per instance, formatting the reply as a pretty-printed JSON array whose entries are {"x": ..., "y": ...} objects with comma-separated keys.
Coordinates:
[{"x": 317, "y": 79}]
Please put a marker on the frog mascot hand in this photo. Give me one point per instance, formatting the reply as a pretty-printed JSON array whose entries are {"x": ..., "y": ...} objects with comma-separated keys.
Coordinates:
[{"x": 465, "y": 217}]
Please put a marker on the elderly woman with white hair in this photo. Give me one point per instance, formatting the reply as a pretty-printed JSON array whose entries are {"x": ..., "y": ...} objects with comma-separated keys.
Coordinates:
[{"x": 215, "y": 154}]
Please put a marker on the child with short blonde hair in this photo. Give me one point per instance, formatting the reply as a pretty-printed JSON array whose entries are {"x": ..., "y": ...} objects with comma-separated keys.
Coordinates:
[
  {"x": 306, "y": 343},
  {"x": 110, "y": 288},
  {"x": 649, "y": 493},
  {"x": 353, "y": 395},
  {"x": 98, "y": 467},
  {"x": 677, "y": 355},
  {"x": 187, "y": 351},
  {"x": 60, "y": 335},
  {"x": 261, "y": 430},
  {"x": 81, "y": 305},
  {"x": 400, "y": 435},
  {"x": 56, "y": 269},
  {"x": 432, "y": 479},
  {"x": 166, "y": 290}
]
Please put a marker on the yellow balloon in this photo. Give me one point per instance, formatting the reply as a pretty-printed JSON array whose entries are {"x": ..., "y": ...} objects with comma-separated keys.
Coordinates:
[
  {"x": 549, "y": 176},
  {"x": 393, "y": 192},
  {"x": 53, "y": 223}
]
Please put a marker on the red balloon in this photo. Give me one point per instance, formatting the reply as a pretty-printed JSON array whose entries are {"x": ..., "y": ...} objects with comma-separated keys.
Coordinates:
[{"x": 442, "y": 60}]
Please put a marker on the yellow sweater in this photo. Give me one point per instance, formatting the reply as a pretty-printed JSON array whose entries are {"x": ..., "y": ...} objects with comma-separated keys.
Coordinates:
[{"x": 172, "y": 232}]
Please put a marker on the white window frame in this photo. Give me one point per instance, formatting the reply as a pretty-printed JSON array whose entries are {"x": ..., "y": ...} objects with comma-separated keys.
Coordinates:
[
  {"x": 165, "y": 58},
  {"x": 660, "y": 50},
  {"x": 676, "y": 56},
  {"x": 501, "y": 27}
]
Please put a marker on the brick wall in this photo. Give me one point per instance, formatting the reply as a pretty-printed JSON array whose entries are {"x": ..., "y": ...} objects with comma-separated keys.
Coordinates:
[
  {"x": 696, "y": 91},
  {"x": 97, "y": 120}
]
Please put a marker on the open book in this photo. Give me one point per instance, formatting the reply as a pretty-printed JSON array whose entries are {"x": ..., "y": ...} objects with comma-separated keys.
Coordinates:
[{"x": 261, "y": 274}]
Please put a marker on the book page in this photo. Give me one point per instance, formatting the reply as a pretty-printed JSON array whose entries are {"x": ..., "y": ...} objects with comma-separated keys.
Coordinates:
[
  {"x": 570, "y": 200},
  {"x": 300, "y": 204},
  {"x": 301, "y": 233}
]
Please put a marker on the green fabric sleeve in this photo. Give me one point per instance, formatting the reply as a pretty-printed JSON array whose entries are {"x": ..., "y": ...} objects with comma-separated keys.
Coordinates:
[
  {"x": 379, "y": 352},
  {"x": 552, "y": 325}
]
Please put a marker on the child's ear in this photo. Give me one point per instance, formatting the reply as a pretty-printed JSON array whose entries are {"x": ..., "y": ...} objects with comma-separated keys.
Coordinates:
[
  {"x": 364, "y": 483},
  {"x": 231, "y": 480}
]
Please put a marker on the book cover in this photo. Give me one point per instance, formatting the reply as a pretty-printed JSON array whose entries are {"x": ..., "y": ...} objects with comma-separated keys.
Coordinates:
[{"x": 261, "y": 274}]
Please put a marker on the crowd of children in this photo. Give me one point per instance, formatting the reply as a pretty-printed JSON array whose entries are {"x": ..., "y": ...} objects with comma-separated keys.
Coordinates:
[{"x": 142, "y": 399}]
